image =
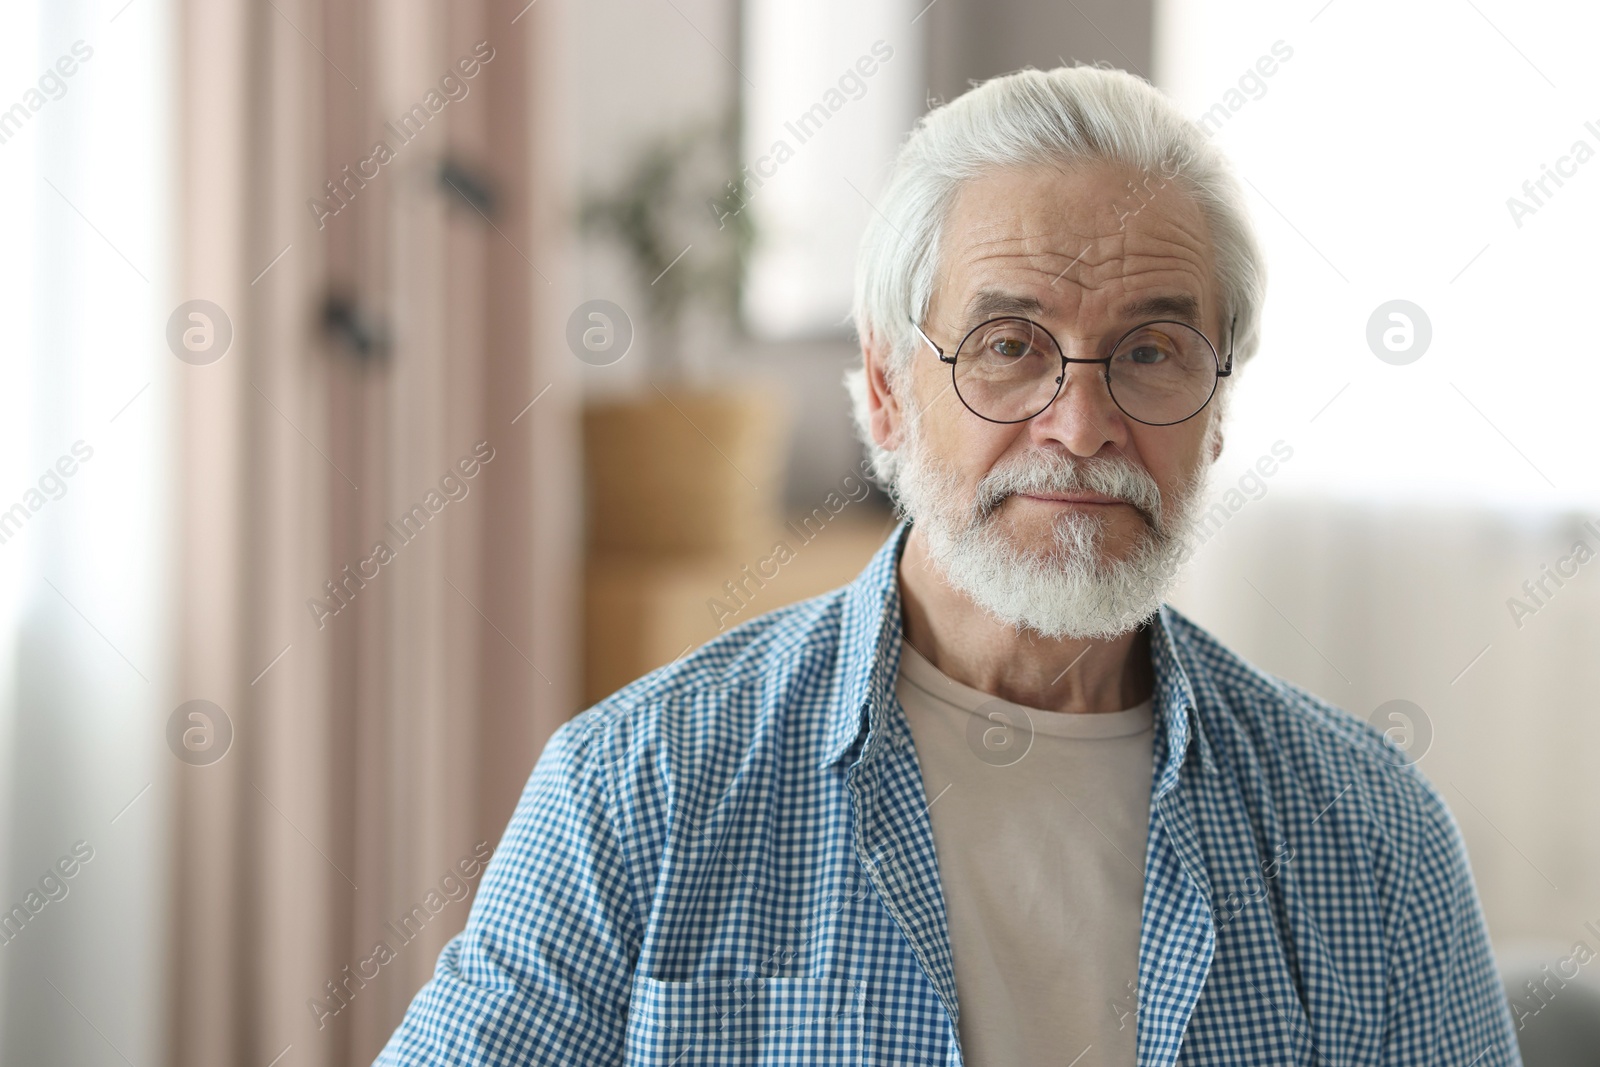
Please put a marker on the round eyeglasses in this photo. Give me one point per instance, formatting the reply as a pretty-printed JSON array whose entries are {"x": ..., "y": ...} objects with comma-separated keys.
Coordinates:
[{"x": 1159, "y": 373}]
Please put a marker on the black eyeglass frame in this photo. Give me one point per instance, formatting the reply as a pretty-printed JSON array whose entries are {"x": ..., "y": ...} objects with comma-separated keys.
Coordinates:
[{"x": 1224, "y": 369}]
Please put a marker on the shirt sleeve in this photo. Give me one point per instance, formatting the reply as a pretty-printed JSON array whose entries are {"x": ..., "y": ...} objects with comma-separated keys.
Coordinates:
[
  {"x": 542, "y": 972},
  {"x": 1446, "y": 1000}
]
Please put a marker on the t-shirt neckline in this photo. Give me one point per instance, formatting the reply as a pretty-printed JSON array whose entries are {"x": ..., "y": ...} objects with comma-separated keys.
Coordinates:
[{"x": 918, "y": 671}]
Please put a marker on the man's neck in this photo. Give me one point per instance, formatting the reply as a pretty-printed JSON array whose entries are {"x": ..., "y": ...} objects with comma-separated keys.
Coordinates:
[{"x": 970, "y": 646}]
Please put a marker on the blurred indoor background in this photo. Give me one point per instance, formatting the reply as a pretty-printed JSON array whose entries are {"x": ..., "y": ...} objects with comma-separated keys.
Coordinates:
[{"x": 385, "y": 383}]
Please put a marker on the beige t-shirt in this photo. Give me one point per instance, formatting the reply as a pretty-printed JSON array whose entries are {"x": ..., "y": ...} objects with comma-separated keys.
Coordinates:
[{"x": 1039, "y": 822}]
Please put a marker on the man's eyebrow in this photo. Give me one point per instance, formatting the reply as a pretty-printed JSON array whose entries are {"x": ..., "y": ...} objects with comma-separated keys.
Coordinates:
[
  {"x": 1182, "y": 307},
  {"x": 988, "y": 303}
]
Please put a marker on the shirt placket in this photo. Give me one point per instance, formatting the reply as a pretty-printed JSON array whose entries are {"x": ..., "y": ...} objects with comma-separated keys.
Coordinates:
[{"x": 894, "y": 845}]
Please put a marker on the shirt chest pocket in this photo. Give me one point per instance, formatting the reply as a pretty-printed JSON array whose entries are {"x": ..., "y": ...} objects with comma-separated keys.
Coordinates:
[{"x": 755, "y": 1021}]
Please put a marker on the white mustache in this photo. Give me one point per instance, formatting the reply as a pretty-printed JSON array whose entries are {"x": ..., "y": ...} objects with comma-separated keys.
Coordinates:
[{"x": 1118, "y": 478}]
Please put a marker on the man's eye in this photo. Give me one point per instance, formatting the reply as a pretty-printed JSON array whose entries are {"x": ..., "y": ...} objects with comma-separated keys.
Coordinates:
[{"x": 1010, "y": 347}]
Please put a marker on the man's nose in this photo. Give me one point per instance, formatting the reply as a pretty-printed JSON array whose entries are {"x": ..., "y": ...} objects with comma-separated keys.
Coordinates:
[{"x": 1083, "y": 416}]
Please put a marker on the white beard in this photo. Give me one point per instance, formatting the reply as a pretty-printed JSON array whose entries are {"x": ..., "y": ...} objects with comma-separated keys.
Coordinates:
[{"x": 1069, "y": 590}]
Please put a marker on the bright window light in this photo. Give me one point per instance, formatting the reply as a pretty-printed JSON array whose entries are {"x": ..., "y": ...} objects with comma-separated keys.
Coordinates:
[
  {"x": 833, "y": 87},
  {"x": 1442, "y": 154}
]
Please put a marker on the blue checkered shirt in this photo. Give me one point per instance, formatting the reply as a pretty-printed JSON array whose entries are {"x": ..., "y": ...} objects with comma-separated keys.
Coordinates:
[{"x": 729, "y": 861}]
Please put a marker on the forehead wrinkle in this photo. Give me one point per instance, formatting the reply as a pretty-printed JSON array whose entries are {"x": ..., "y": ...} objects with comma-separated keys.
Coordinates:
[
  {"x": 1025, "y": 246},
  {"x": 1187, "y": 246},
  {"x": 996, "y": 272},
  {"x": 1128, "y": 264},
  {"x": 1135, "y": 266},
  {"x": 1170, "y": 238},
  {"x": 1195, "y": 240}
]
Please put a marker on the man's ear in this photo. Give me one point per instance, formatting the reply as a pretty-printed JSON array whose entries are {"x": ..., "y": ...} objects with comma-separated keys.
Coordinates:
[{"x": 885, "y": 414}]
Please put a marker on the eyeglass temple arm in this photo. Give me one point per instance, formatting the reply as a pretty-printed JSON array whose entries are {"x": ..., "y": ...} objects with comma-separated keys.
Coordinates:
[
  {"x": 1227, "y": 368},
  {"x": 942, "y": 357}
]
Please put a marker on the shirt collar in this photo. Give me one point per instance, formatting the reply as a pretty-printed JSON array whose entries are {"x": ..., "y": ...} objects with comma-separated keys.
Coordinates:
[{"x": 871, "y": 627}]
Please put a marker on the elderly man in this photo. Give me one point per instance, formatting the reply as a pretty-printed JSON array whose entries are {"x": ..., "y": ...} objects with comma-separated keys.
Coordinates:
[{"x": 993, "y": 802}]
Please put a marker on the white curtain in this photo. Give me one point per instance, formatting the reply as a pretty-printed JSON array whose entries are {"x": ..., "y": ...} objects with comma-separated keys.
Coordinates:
[{"x": 85, "y": 392}]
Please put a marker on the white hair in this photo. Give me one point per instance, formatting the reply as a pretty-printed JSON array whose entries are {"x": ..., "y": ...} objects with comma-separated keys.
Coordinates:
[{"x": 1072, "y": 115}]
